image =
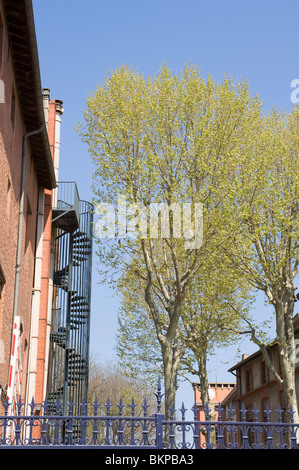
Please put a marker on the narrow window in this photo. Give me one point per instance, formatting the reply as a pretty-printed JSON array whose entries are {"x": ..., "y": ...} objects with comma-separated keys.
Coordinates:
[
  {"x": 8, "y": 199},
  {"x": 28, "y": 225},
  {"x": 13, "y": 108},
  {"x": 2, "y": 280},
  {"x": 2, "y": 86},
  {"x": 249, "y": 382},
  {"x": 265, "y": 373},
  {"x": 1, "y": 44}
]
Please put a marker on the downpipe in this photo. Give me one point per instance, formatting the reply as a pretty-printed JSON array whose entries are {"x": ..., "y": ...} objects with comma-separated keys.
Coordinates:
[
  {"x": 21, "y": 213},
  {"x": 18, "y": 258}
]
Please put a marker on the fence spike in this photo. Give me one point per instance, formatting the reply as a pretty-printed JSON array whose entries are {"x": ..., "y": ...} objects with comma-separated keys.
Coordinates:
[
  {"x": 194, "y": 409},
  {"x": 268, "y": 412},
  {"x": 145, "y": 407},
  {"x": 219, "y": 411},
  {"x": 19, "y": 405},
  {"x": 120, "y": 406},
  {"x": 279, "y": 411},
  {"x": 172, "y": 411},
  {"x": 108, "y": 406},
  {"x": 231, "y": 411},
  {"x": 133, "y": 406},
  {"x": 83, "y": 406},
  {"x": 255, "y": 412},
  {"x": 243, "y": 412},
  {"x": 71, "y": 406},
  {"x": 183, "y": 411},
  {"x": 159, "y": 396},
  {"x": 6, "y": 405},
  {"x": 207, "y": 412},
  {"x": 32, "y": 405},
  {"x": 291, "y": 413},
  {"x": 58, "y": 405},
  {"x": 95, "y": 406},
  {"x": 45, "y": 406}
]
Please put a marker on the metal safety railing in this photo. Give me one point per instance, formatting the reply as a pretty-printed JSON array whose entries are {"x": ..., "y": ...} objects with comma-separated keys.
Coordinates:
[
  {"x": 67, "y": 196},
  {"x": 100, "y": 426},
  {"x": 66, "y": 205}
]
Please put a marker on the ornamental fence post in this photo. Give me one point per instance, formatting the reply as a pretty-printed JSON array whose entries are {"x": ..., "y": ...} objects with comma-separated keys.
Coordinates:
[
  {"x": 159, "y": 418},
  {"x": 159, "y": 430}
]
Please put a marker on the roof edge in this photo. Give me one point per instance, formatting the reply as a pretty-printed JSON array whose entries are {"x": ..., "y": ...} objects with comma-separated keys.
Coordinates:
[{"x": 19, "y": 19}]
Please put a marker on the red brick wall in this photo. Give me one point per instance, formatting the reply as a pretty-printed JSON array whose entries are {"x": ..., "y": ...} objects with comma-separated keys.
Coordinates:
[
  {"x": 11, "y": 138},
  {"x": 220, "y": 393}
]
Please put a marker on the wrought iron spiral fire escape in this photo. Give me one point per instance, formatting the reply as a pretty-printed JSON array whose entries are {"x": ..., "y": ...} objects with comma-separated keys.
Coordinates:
[{"x": 69, "y": 338}]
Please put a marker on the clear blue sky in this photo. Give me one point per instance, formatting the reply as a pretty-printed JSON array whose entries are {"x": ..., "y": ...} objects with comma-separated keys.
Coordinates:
[{"x": 79, "y": 42}]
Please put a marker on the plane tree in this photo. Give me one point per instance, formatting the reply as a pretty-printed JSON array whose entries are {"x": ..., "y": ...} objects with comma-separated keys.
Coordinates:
[
  {"x": 260, "y": 213},
  {"x": 164, "y": 140},
  {"x": 218, "y": 306},
  {"x": 217, "y": 303}
]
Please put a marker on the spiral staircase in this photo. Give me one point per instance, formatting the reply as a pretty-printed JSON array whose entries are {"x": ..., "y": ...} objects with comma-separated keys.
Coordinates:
[{"x": 69, "y": 337}]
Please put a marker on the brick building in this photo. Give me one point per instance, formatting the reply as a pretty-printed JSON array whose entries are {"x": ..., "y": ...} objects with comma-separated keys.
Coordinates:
[
  {"x": 255, "y": 384},
  {"x": 255, "y": 390},
  {"x": 217, "y": 393},
  {"x": 36, "y": 213},
  {"x": 26, "y": 172},
  {"x": 43, "y": 280}
]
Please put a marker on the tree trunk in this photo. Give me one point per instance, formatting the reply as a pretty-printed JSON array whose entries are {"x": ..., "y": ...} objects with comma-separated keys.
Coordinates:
[
  {"x": 209, "y": 433},
  {"x": 170, "y": 382},
  {"x": 286, "y": 343},
  {"x": 203, "y": 378},
  {"x": 172, "y": 352}
]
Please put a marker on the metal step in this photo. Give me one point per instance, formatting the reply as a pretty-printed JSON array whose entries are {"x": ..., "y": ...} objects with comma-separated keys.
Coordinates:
[{"x": 59, "y": 338}]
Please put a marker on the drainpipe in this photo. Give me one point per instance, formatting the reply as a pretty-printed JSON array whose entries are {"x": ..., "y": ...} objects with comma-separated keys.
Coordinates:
[
  {"x": 19, "y": 246},
  {"x": 36, "y": 295},
  {"x": 19, "y": 242}
]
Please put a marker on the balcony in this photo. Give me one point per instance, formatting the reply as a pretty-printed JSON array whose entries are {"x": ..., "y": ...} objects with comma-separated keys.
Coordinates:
[{"x": 66, "y": 206}]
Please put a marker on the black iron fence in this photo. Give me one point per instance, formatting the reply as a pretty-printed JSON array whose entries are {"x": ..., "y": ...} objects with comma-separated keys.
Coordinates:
[{"x": 97, "y": 427}]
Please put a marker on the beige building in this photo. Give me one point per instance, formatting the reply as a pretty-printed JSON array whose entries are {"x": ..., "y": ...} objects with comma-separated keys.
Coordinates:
[{"x": 255, "y": 384}]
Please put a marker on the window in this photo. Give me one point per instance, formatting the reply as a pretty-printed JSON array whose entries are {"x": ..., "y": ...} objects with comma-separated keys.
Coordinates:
[
  {"x": 2, "y": 86},
  {"x": 2, "y": 280},
  {"x": 264, "y": 373},
  {"x": 2, "y": 91},
  {"x": 13, "y": 108},
  {"x": 1, "y": 44},
  {"x": 28, "y": 225},
  {"x": 8, "y": 198},
  {"x": 249, "y": 381}
]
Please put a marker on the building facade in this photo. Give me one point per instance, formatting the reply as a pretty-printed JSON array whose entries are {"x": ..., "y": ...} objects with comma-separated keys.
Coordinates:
[
  {"x": 43, "y": 278},
  {"x": 36, "y": 214},
  {"x": 217, "y": 393},
  {"x": 26, "y": 172},
  {"x": 256, "y": 387}
]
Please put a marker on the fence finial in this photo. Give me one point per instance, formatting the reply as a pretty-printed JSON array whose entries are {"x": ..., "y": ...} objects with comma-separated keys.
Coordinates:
[{"x": 159, "y": 396}]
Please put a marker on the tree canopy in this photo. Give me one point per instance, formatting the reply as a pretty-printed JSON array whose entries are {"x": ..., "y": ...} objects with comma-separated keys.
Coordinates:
[{"x": 222, "y": 179}]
